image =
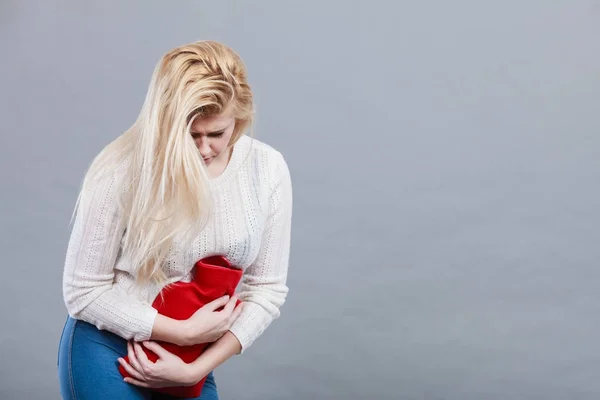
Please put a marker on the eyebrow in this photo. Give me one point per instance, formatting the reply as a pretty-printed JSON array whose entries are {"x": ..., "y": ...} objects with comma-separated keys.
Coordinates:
[{"x": 209, "y": 133}]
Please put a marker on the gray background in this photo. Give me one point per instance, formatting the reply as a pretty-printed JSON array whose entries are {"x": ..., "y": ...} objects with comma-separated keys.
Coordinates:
[{"x": 445, "y": 158}]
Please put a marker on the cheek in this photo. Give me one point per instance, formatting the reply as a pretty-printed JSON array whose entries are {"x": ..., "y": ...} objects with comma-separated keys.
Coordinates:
[{"x": 220, "y": 144}]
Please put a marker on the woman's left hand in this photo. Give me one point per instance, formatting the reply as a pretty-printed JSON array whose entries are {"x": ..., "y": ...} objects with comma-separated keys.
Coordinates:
[{"x": 169, "y": 370}]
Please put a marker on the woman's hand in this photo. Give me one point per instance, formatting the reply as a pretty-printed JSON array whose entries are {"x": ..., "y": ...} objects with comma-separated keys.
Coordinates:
[
  {"x": 169, "y": 370},
  {"x": 207, "y": 325}
]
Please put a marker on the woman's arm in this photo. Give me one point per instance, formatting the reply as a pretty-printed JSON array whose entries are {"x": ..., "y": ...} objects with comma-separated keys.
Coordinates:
[
  {"x": 92, "y": 252},
  {"x": 88, "y": 277},
  {"x": 169, "y": 370},
  {"x": 263, "y": 289},
  {"x": 215, "y": 355},
  {"x": 206, "y": 325}
]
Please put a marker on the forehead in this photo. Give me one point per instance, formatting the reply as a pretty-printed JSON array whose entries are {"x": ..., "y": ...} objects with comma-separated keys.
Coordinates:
[{"x": 212, "y": 124}]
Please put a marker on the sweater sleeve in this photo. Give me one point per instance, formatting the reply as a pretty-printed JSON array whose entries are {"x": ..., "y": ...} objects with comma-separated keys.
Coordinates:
[
  {"x": 263, "y": 289},
  {"x": 92, "y": 252}
]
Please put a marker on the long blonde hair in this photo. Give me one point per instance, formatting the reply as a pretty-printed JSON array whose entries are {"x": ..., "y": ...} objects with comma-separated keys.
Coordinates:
[{"x": 168, "y": 194}]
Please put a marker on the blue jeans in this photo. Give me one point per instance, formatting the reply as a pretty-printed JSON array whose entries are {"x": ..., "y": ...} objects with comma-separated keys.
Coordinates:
[{"x": 88, "y": 367}]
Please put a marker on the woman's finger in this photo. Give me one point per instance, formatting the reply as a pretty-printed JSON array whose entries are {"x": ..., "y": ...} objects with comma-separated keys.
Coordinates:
[
  {"x": 236, "y": 313},
  {"x": 157, "y": 349},
  {"x": 230, "y": 306},
  {"x": 133, "y": 359},
  {"x": 130, "y": 370},
  {"x": 143, "y": 359},
  {"x": 136, "y": 382},
  {"x": 218, "y": 303}
]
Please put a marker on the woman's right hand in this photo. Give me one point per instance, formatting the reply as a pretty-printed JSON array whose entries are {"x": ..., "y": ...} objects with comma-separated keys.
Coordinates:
[{"x": 208, "y": 325}]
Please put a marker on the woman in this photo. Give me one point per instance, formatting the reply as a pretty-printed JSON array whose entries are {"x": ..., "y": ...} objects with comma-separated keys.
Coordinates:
[{"x": 183, "y": 183}]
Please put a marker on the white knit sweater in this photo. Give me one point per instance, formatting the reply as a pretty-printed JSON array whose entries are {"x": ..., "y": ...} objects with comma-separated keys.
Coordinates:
[{"x": 251, "y": 225}]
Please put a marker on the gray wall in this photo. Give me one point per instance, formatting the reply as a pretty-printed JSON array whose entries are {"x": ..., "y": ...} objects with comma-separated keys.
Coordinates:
[{"x": 445, "y": 158}]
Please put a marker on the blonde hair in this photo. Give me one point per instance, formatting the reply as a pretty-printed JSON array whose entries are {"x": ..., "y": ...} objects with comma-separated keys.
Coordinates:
[{"x": 168, "y": 194}]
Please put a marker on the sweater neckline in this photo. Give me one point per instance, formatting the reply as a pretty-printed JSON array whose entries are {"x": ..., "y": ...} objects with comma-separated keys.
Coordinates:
[{"x": 235, "y": 161}]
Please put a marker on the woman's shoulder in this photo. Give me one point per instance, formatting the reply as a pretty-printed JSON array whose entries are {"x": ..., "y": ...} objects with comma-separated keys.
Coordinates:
[
  {"x": 262, "y": 161},
  {"x": 259, "y": 150}
]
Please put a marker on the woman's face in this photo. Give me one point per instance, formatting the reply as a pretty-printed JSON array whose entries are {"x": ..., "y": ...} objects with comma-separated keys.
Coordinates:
[{"x": 212, "y": 135}]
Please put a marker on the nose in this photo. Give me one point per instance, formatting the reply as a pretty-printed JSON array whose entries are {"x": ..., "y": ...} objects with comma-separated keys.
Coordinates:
[{"x": 203, "y": 147}]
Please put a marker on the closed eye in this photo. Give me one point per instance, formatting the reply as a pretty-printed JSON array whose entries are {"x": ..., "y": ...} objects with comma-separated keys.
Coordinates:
[{"x": 216, "y": 134}]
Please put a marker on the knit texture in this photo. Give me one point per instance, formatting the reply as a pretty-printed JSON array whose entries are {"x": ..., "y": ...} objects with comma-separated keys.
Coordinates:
[{"x": 250, "y": 225}]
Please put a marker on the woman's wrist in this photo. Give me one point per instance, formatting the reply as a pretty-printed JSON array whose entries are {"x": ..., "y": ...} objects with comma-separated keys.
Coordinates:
[
  {"x": 196, "y": 371},
  {"x": 185, "y": 334},
  {"x": 170, "y": 330},
  {"x": 214, "y": 355}
]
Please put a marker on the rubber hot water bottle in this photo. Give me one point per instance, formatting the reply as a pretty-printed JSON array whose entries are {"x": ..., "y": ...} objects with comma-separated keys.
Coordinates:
[{"x": 214, "y": 277}]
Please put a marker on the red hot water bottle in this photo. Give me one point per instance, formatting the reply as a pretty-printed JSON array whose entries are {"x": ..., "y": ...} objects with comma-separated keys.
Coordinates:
[{"x": 214, "y": 277}]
